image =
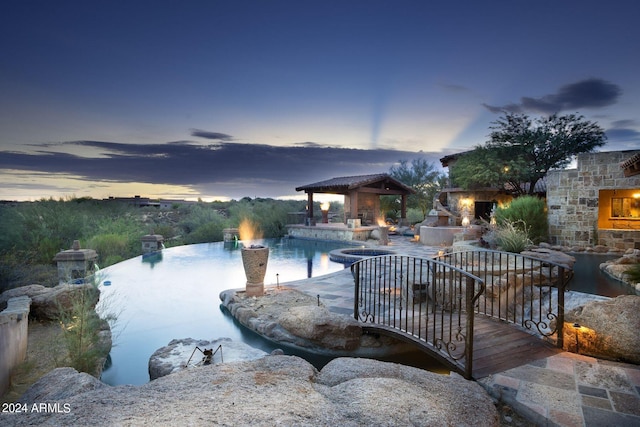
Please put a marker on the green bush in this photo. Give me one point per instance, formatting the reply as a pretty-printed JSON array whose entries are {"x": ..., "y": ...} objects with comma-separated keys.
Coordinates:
[
  {"x": 209, "y": 232},
  {"x": 633, "y": 273},
  {"x": 414, "y": 215},
  {"x": 528, "y": 214},
  {"x": 197, "y": 216},
  {"x": 165, "y": 230},
  {"x": 509, "y": 237},
  {"x": 111, "y": 247},
  {"x": 81, "y": 328}
]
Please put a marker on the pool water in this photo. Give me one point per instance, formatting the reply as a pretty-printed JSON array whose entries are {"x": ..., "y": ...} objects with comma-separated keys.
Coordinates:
[
  {"x": 588, "y": 278},
  {"x": 175, "y": 294}
]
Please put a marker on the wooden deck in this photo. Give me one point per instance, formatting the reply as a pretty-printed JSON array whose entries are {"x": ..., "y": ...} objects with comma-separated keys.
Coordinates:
[{"x": 497, "y": 345}]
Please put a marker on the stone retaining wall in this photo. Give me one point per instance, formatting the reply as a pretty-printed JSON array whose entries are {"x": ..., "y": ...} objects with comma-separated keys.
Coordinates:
[
  {"x": 14, "y": 323},
  {"x": 330, "y": 232}
]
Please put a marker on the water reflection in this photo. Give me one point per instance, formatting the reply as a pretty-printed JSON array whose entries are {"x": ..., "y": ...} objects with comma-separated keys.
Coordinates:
[
  {"x": 152, "y": 258},
  {"x": 177, "y": 296}
]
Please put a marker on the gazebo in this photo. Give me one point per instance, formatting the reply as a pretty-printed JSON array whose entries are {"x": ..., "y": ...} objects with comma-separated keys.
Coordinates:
[{"x": 362, "y": 195}]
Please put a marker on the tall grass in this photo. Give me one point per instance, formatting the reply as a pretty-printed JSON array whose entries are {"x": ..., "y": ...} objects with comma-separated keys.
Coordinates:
[
  {"x": 509, "y": 237},
  {"x": 82, "y": 330}
]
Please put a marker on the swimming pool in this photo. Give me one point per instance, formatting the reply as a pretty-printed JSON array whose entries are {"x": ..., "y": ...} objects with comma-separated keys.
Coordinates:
[
  {"x": 175, "y": 294},
  {"x": 588, "y": 277}
]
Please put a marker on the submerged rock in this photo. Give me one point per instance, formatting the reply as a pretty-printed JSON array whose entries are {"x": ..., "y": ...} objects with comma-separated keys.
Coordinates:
[{"x": 174, "y": 356}]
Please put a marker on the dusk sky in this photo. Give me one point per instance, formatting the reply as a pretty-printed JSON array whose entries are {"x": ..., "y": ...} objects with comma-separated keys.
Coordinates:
[{"x": 226, "y": 99}]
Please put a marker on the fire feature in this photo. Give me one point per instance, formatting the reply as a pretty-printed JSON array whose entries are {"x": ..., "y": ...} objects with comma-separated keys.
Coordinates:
[
  {"x": 254, "y": 259},
  {"x": 324, "y": 208}
]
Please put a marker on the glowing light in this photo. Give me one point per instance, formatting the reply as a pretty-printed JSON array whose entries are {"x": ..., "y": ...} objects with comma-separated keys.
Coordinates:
[
  {"x": 466, "y": 202},
  {"x": 248, "y": 230},
  {"x": 325, "y": 206},
  {"x": 465, "y": 221}
]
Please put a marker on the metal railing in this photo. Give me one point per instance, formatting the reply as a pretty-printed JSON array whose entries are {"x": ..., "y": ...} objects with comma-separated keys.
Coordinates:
[
  {"x": 422, "y": 300},
  {"x": 433, "y": 302},
  {"x": 523, "y": 290}
]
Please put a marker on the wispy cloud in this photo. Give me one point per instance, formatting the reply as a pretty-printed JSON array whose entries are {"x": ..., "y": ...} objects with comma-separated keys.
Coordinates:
[
  {"x": 240, "y": 167},
  {"x": 217, "y": 136},
  {"x": 589, "y": 93}
]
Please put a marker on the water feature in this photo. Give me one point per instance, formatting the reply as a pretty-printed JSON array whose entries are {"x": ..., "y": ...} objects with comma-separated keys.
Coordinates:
[
  {"x": 176, "y": 295},
  {"x": 589, "y": 279}
]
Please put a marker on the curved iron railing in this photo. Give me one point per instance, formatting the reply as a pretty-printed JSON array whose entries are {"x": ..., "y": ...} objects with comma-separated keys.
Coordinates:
[
  {"x": 523, "y": 290},
  {"x": 433, "y": 302},
  {"x": 427, "y": 301}
]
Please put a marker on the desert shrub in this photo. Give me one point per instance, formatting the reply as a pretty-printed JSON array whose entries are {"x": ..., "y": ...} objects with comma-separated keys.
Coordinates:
[
  {"x": 271, "y": 218},
  {"x": 633, "y": 273},
  {"x": 269, "y": 215},
  {"x": 414, "y": 215},
  {"x": 165, "y": 230},
  {"x": 528, "y": 214},
  {"x": 14, "y": 274},
  {"x": 110, "y": 247},
  {"x": 197, "y": 216},
  {"x": 209, "y": 232},
  {"x": 112, "y": 259},
  {"x": 81, "y": 328},
  {"x": 509, "y": 237}
]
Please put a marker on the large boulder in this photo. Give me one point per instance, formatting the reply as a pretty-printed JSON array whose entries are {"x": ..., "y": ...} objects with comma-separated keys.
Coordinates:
[
  {"x": 61, "y": 384},
  {"x": 322, "y": 327},
  {"x": 294, "y": 318},
  {"x": 47, "y": 303},
  {"x": 551, "y": 255},
  {"x": 617, "y": 268},
  {"x": 606, "y": 329},
  {"x": 174, "y": 356},
  {"x": 274, "y": 390},
  {"x": 393, "y": 394}
]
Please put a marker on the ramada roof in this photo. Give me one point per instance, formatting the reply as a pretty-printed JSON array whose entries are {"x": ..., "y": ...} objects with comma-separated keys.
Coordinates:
[{"x": 342, "y": 185}]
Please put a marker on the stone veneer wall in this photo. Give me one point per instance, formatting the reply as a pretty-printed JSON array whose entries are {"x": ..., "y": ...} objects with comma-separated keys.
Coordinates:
[{"x": 573, "y": 201}]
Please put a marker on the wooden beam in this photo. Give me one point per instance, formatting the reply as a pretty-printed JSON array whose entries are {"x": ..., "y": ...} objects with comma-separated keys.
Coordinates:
[
  {"x": 380, "y": 190},
  {"x": 310, "y": 208}
]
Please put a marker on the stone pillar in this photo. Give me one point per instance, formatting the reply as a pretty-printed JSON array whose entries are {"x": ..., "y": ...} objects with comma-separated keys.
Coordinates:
[
  {"x": 75, "y": 265},
  {"x": 152, "y": 243}
]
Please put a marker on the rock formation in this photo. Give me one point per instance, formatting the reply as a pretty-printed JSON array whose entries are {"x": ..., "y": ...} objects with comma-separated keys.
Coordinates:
[
  {"x": 46, "y": 303},
  {"x": 174, "y": 356},
  {"x": 618, "y": 267},
  {"x": 295, "y": 319},
  {"x": 605, "y": 329},
  {"x": 273, "y": 390}
]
